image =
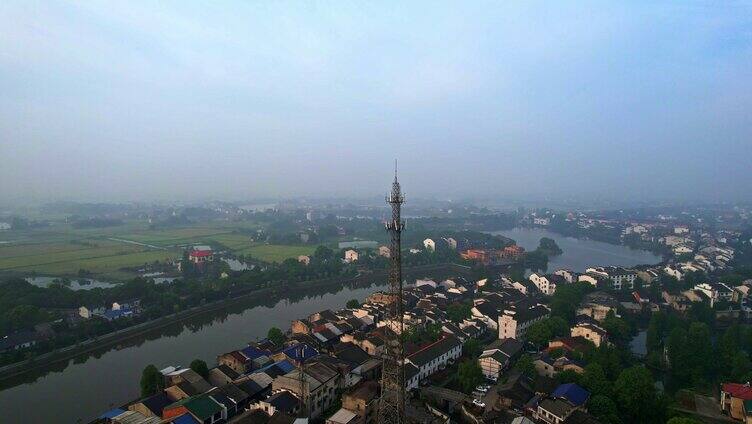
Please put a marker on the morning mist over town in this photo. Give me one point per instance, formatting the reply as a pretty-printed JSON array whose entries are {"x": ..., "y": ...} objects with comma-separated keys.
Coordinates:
[
  {"x": 289, "y": 212},
  {"x": 170, "y": 101}
]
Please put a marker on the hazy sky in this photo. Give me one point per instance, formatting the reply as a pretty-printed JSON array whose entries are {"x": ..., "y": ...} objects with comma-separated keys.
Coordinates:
[{"x": 231, "y": 100}]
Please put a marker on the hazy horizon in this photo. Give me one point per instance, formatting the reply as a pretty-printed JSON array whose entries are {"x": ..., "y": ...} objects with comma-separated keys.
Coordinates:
[{"x": 108, "y": 102}]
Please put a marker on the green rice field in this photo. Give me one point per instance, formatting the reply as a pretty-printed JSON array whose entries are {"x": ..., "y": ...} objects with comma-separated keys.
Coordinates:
[{"x": 62, "y": 250}]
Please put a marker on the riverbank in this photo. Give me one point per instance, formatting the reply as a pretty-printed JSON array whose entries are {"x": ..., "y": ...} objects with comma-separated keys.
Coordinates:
[{"x": 19, "y": 369}]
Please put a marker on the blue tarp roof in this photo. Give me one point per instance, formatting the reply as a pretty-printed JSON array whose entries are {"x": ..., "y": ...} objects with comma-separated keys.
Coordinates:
[
  {"x": 277, "y": 368},
  {"x": 253, "y": 353},
  {"x": 112, "y": 413},
  {"x": 300, "y": 351},
  {"x": 575, "y": 394},
  {"x": 185, "y": 419},
  {"x": 285, "y": 365}
]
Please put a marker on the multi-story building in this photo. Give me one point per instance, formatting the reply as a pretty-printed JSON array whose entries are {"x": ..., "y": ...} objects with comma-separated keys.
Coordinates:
[
  {"x": 513, "y": 324},
  {"x": 317, "y": 385},
  {"x": 620, "y": 278},
  {"x": 436, "y": 356},
  {"x": 546, "y": 283}
]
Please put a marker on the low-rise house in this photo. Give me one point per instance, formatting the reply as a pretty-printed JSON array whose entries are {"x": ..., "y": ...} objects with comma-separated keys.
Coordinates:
[
  {"x": 674, "y": 271},
  {"x": 498, "y": 356},
  {"x": 304, "y": 259},
  {"x": 429, "y": 245},
  {"x": 564, "y": 401},
  {"x": 569, "y": 344},
  {"x": 351, "y": 256},
  {"x": 281, "y": 401},
  {"x": 202, "y": 408},
  {"x": 152, "y": 406},
  {"x": 597, "y": 305},
  {"x": 343, "y": 416},
  {"x": 568, "y": 275},
  {"x": 513, "y": 324},
  {"x": 188, "y": 376},
  {"x": 221, "y": 375},
  {"x": 590, "y": 332},
  {"x": 120, "y": 416},
  {"x": 19, "y": 340},
  {"x": 200, "y": 255},
  {"x": 733, "y": 399},
  {"x": 245, "y": 360},
  {"x": 553, "y": 411},
  {"x": 362, "y": 404},
  {"x": 385, "y": 252}
]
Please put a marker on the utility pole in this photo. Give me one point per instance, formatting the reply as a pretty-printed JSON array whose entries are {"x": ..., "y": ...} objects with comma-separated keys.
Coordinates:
[{"x": 392, "y": 402}]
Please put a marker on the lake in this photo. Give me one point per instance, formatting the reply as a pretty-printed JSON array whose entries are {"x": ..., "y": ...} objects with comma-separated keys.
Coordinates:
[
  {"x": 87, "y": 386},
  {"x": 580, "y": 254}
]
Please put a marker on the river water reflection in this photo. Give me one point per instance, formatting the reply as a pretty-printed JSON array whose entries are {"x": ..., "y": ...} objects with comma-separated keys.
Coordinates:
[
  {"x": 85, "y": 387},
  {"x": 580, "y": 254}
]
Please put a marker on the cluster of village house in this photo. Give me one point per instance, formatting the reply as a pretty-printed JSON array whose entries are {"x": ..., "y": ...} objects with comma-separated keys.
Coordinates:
[
  {"x": 332, "y": 358},
  {"x": 328, "y": 367}
]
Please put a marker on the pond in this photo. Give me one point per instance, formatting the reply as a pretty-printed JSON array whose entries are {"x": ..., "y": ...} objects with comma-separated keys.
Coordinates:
[
  {"x": 75, "y": 283},
  {"x": 237, "y": 265},
  {"x": 580, "y": 254}
]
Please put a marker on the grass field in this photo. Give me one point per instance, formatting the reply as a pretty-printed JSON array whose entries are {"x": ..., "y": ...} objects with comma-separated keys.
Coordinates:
[
  {"x": 275, "y": 252},
  {"x": 61, "y": 250}
]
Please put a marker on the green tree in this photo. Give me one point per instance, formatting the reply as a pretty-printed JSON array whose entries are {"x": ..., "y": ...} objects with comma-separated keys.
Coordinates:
[
  {"x": 469, "y": 375},
  {"x": 457, "y": 312},
  {"x": 656, "y": 330},
  {"x": 525, "y": 365},
  {"x": 568, "y": 376},
  {"x": 604, "y": 409},
  {"x": 152, "y": 381},
  {"x": 472, "y": 348},
  {"x": 700, "y": 349},
  {"x": 741, "y": 367},
  {"x": 199, "y": 366},
  {"x": 594, "y": 379},
  {"x": 276, "y": 336},
  {"x": 539, "y": 334},
  {"x": 636, "y": 396},
  {"x": 353, "y": 304},
  {"x": 617, "y": 328}
]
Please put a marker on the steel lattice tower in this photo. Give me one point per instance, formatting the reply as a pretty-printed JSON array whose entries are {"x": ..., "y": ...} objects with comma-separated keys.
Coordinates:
[{"x": 392, "y": 402}]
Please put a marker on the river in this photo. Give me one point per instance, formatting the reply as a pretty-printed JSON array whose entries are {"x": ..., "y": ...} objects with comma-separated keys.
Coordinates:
[
  {"x": 83, "y": 388},
  {"x": 580, "y": 254}
]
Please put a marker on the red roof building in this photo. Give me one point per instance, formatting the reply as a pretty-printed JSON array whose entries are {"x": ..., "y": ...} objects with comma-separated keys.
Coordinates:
[
  {"x": 733, "y": 397},
  {"x": 199, "y": 256}
]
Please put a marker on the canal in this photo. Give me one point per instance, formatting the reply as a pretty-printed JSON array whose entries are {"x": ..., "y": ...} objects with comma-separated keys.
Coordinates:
[
  {"x": 580, "y": 254},
  {"x": 80, "y": 389}
]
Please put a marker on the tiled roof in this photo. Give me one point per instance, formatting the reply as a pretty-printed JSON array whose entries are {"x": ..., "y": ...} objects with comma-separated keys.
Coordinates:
[
  {"x": 284, "y": 401},
  {"x": 201, "y": 406},
  {"x": 741, "y": 391},
  {"x": 434, "y": 350},
  {"x": 157, "y": 403}
]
